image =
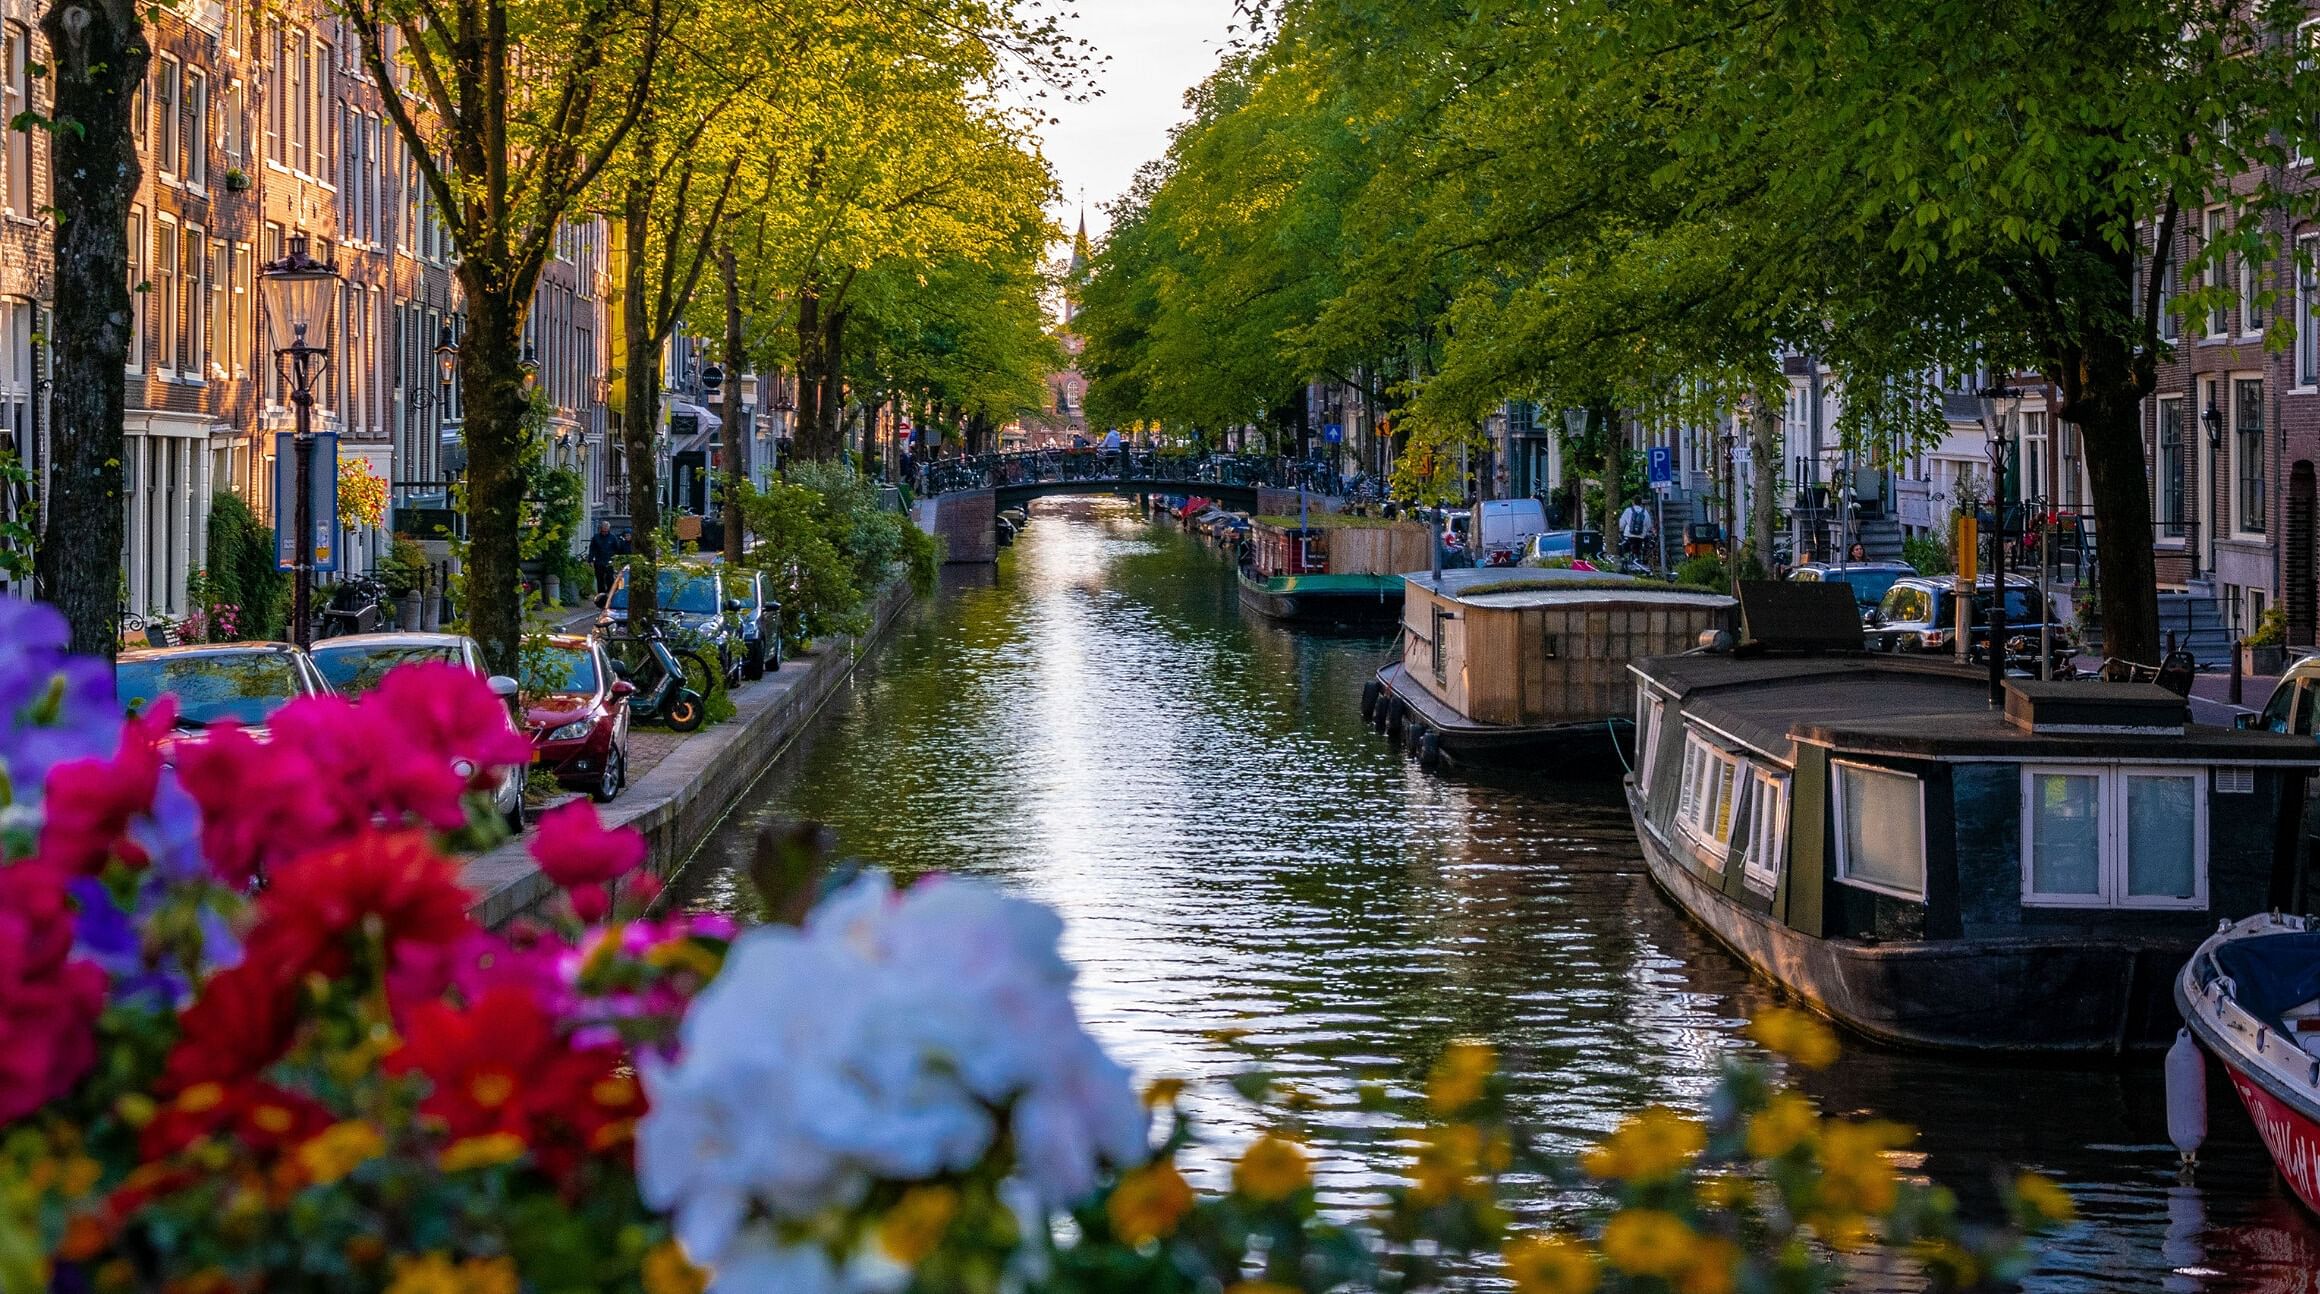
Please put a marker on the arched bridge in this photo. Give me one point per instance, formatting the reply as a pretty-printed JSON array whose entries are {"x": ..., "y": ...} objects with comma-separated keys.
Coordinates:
[{"x": 1230, "y": 479}]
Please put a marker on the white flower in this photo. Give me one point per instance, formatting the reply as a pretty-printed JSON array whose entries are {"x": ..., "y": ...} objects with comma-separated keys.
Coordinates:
[
  {"x": 884, "y": 1041},
  {"x": 759, "y": 1263}
]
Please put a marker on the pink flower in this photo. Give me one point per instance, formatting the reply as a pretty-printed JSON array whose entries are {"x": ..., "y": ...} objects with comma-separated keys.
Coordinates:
[
  {"x": 575, "y": 850},
  {"x": 49, "y": 1002},
  {"x": 451, "y": 714},
  {"x": 92, "y": 802}
]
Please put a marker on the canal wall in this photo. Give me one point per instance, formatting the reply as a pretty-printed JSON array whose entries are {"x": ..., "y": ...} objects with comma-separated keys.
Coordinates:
[
  {"x": 684, "y": 797},
  {"x": 966, "y": 521}
]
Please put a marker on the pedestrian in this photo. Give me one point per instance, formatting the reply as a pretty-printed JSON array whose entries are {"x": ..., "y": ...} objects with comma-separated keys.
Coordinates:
[
  {"x": 1857, "y": 553},
  {"x": 602, "y": 547},
  {"x": 1634, "y": 529}
]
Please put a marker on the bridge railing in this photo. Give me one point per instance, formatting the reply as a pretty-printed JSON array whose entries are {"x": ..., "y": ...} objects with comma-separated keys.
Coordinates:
[{"x": 1097, "y": 467}]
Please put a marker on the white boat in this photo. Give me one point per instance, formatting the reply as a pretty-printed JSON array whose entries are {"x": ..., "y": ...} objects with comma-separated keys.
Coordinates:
[{"x": 2251, "y": 996}]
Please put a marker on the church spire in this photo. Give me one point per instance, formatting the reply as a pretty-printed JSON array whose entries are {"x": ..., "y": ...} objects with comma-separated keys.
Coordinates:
[{"x": 1079, "y": 242}]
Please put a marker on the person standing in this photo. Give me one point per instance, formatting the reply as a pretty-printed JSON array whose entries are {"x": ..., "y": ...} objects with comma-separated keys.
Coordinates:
[{"x": 601, "y": 547}]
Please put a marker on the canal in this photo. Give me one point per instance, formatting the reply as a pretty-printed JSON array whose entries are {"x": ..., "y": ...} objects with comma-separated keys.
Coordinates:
[{"x": 1253, "y": 880}]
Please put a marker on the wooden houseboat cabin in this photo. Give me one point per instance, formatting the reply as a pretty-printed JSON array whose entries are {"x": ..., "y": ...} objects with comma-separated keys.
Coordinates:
[
  {"x": 1868, "y": 832},
  {"x": 1527, "y": 668},
  {"x": 1332, "y": 568}
]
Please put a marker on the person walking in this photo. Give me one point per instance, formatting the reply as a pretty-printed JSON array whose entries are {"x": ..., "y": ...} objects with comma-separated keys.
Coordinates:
[
  {"x": 601, "y": 547},
  {"x": 1634, "y": 530}
]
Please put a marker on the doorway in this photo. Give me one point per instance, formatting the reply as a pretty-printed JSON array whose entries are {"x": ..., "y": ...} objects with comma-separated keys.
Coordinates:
[{"x": 2299, "y": 573}]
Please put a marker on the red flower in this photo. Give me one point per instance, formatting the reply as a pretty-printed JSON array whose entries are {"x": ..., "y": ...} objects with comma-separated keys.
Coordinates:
[
  {"x": 451, "y": 715},
  {"x": 242, "y": 1022},
  {"x": 260, "y": 805},
  {"x": 91, "y": 802},
  {"x": 574, "y": 849},
  {"x": 49, "y": 1002}
]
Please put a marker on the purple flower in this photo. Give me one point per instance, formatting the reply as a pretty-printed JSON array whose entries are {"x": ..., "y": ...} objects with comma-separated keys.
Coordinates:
[{"x": 54, "y": 707}]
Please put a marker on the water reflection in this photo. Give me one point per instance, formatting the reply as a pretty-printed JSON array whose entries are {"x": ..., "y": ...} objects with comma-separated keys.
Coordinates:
[{"x": 1252, "y": 879}]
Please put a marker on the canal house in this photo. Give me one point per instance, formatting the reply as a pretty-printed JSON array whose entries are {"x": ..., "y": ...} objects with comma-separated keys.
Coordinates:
[
  {"x": 1527, "y": 668},
  {"x": 1870, "y": 833}
]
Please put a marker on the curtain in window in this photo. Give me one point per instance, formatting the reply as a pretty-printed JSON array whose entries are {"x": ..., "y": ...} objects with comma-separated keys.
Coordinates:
[
  {"x": 1884, "y": 828},
  {"x": 2065, "y": 829},
  {"x": 2162, "y": 857}
]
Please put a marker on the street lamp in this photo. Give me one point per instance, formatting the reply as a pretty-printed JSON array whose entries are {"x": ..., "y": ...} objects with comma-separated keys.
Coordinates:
[
  {"x": 446, "y": 368},
  {"x": 1998, "y": 405},
  {"x": 299, "y": 294}
]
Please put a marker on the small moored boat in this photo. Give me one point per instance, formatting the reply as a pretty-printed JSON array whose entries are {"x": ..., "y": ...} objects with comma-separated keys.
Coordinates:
[
  {"x": 2251, "y": 996},
  {"x": 1333, "y": 569}
]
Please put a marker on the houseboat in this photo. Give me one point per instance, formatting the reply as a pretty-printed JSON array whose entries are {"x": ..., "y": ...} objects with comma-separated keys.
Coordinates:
[
  {"x": 1330, "y": 568},
  {"x": 2251, "y": 997},
  {"x": 1928, "y": 870},
  {"x": 1527, "y": 668}
]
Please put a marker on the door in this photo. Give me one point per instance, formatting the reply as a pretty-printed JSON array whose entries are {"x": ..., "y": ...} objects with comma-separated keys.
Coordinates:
[{"x": 2299, "y": 556}]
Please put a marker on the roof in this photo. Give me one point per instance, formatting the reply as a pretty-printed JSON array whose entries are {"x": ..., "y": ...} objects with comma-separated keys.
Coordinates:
[
  {"x": 394, "y": 639},
  {"x": 1536, "y": 586},
  {"x": 1914, "y": 706},
  {"x": 206, "y": 649}
]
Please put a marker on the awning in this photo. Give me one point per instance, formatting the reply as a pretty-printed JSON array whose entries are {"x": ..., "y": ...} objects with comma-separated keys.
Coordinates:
[{"x": 691, "y": 427}]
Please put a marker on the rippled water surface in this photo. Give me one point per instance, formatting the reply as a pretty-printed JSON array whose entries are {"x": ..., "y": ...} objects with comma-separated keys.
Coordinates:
[{"x": 1253, "y": 880}]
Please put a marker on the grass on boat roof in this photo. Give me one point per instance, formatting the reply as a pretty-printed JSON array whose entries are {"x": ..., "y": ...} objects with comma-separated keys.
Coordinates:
[
  {"x": 1577, "y": 586},
  {"x": 1319, "y": 520}
]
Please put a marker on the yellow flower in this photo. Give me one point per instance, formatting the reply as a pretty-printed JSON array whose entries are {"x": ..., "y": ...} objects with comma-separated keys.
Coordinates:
[
  {"x": 200, "y": 1098},
  {"x": 78, "y": 1176},
  {"x": 1163, "y": 1091},
  {"x": 915, "y": 1225},
  {"x": 1714, "y": 1269},
  {"x": 1148, "y": 1203},
  {"x": 1650, "y": 1146},
  {"x": 1847, "y": 1232},
  {"x": 1724, "y": 1192},
  {"x": 1649, "y": 1242},
  {"x": 1551, "y": 1265},
  {"x": 2044, "y": 1198},
  {"x": 489, "y": 1276},
  {"x": 1949, "y": 1261},
  {"x": 487, "y": 1151},
  {"x": 1855, "y": 1175},
  {"x": 1786, "y": 1122},
  {"x": 431, "y": 1273},
  {"x": 1796, "y": 1035},
  {"x": 338, "y": 1150},
  {"x": 1453, "y": 1159},
  {"x": 1272, "y": 1168},
  {"x": 684, "y": 954},
  {"x": 668, "y": 1271},
  {"x": 1461, "y": 1076},
  {"x": 136, "y": 1109}
]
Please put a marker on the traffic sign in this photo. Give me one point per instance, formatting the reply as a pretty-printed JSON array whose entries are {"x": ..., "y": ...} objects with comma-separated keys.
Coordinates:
[
  {"x": 1661, "y": 462},
  {"x": 1333, "y": 433}
]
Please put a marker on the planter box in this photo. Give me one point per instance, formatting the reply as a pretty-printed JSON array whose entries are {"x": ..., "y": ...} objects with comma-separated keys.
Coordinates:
[{"x": 2267, "y": 661}]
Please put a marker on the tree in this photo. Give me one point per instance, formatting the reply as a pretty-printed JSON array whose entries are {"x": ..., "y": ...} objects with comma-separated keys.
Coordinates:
[{"x": 98, "y": 56}]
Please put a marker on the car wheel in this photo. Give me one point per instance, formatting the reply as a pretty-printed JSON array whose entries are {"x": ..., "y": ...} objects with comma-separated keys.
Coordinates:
[
  {"x": 613, "y": 777},
  {"x": 516, "y": 815},
  {"x": 754, "y": 667}
]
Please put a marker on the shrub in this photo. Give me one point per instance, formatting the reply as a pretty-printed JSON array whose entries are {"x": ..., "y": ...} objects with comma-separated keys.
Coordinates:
[
  {"x": 1706, "y": 570},
  {"x": 404, "y": 568},
  {"x": 1928, "y": 553},
  {"x": 241, "y": 568}
]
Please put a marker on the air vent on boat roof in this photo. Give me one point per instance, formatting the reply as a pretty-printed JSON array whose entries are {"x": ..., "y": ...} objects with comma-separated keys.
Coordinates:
[{"x": 1787, "y": 615}]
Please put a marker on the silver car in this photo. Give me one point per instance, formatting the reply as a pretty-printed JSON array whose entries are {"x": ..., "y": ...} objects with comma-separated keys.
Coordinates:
[{"x": 354, "y": 664}]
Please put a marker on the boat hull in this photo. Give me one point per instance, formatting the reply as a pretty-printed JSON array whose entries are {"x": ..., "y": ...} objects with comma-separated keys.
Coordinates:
[
  {"x": 1325, "y": 599},
  {"x": 2278, "y": 1083},
  {"x": 2054, "y": 997},
  {"x": 1591, "y": 749}
]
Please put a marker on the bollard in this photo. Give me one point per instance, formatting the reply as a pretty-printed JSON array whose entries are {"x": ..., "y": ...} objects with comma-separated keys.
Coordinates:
[
  {"x": 2170, "y": 646},
  {"x": 2238, "y": 674}
]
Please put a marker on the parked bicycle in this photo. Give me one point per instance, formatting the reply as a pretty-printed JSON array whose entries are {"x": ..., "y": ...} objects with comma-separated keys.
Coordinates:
[
  {"x": 357, "y": 606},
  {"x": 672, "y": 684}
]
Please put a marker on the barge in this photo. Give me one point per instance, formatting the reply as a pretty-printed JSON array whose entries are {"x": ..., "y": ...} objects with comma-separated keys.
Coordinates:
[
  {"x": 1527, "y": 668},
  {"x": 1333, "y": 569},
  {"x": 1870, "y": 834}
]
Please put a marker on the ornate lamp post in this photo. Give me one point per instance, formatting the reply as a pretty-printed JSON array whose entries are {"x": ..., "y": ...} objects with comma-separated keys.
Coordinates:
[
  {"x": 446, "y": 369},
  {"x": 300, "y": 295},
  {"x": 1998, "y": 405}
]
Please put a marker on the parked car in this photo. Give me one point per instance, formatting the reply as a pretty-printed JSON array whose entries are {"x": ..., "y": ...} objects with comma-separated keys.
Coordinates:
[
  {"x": 576, "y": 709},
  {"x": 693, "y": 602},
  {"x": 1919, "y": 614},
  {"x": 1505, "y": 528},
  {"x": 1562, "y": 546},
  {"x": 355, "y": 663},
  {"x": 760, "y": 621},
  {"x": 214, "y": 683},
  {"x": 1868, "y": 580}
]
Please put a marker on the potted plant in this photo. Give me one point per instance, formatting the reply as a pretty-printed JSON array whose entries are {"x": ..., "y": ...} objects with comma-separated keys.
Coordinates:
[
  {"x": 403, "y": 569},
  {"x": 2265, "y": 651}
]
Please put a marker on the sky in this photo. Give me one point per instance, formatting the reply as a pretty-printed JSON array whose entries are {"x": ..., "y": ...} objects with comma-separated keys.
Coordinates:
[{"x": 1159, "y": 49}]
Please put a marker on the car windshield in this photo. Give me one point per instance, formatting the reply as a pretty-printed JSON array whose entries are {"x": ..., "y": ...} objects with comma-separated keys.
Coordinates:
[
  {"x": 243, "y": 686},
  {"x": 1557, "y": 543},
  {"x": 2021, "y": 606},
  {"x": 559, "y": 669},
  {"x": 356, "y": 670},
  {"x": 686, "y": 591},
  {"x": 1868, "y": 585}
]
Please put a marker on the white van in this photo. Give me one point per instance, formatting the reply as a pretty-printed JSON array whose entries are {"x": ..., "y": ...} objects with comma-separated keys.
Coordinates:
[{"x": 1505, "y": 528}]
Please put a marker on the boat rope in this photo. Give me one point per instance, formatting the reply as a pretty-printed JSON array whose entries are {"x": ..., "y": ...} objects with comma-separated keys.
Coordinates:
[{"x": 1612, "y": 727}]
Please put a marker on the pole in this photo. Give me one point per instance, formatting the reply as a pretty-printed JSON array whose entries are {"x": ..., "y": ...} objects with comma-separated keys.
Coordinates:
[
  {"x": 1997, "y": 648},
  {"x": 302, "y": 513}
]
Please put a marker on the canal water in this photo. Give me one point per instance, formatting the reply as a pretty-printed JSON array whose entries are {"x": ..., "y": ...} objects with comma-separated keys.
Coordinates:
[{"x": 1253, "y": 880}]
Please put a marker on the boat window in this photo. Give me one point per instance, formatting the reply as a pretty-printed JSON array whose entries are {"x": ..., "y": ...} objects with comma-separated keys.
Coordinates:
[
  {"x": 1881, "y": 830},
  {"x": 1767, "y": 830},
  {"x": 1710, "y": 794},
  {"x": 1649, "y": 712},
  {"x": 2100, "y": 836},
  {"x": 1441, "y": 659}
]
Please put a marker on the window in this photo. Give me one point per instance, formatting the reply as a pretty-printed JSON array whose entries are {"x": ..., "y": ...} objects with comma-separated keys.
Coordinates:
[
  {"x": 193, "y": 299},
  {"x": 2308, "y": 310},
  {"x": 1710, "y": 796},
  {"x": 2097, "y": 836},
  {"x": 2251, "y": 288},
  {"x": 165, "y": 278},
  {"x": 196, "y": 133},
  {"x": 137, "y": 287},
  {"x": 2211, "y": 274},
  {"x": 277, "y": 71},
  {"x": 2171, "y": 466},
  {"x": 2247, "y": 417},
  {"x": 215, "y": 339},
  {"x": 296, "y": 125},
  {"x": 1880, "y": 830},
  {"x": 16, "y": 98},
  {"x": 241, "y": 334},
  {"x": 270, "y": 250},
  {"x": 2310, "y": 32},
  {"x": 165, "y": 140},
  {"x": 233, "y": 123},
  {"x": 2170, "y": 324},
  {"x": 1767, "y": 830},
  {"x": 1650, "y": 712}
]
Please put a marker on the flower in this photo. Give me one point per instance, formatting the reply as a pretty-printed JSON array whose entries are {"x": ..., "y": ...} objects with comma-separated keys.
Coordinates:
[
  {"x": 1856, "y": 1176},
  {"x": 1551, "y": 1264},
  {"x": 1459, "y": 1077},
  {"x": 487, "y": 1151},
  {"x": 499, "y": 1075},
  {"x": 1786, "y": 1122},
  {"x": 339, "y": 1149},
  {"x": 1649, "y": 1146},
  {"x": 1453, "y": 1160},
  {"x": 1148, "y": 1203},
  {"x": 90, "y": 802},
  {"x": 49, "y": 999},
  {"x": 1796, "y": 1035},
  {"x": 1272, "y": 1168},
  {"x": 450, "y": 716},
  {"x": 2047, "y": 1201},
  {"x": 435, "y": 1273},
  {"x": 1648, "y": 1242},
  {"x": 913, "y": 1228},
  {"x": 667, "y": 1271},
  {"x": 573, "y": 847}
]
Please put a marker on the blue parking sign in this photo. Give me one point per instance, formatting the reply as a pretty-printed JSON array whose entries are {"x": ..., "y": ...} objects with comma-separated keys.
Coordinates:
[{"x": 1662, "y": 465}]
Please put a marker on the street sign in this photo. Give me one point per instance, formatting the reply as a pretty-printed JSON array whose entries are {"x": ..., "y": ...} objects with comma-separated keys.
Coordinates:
[
  {"x": 322, "y": 485},
  {"x": 1661, "y": 464},
  {"x": 1661, "y": 488},
  {"x": 1742, "y": 456},
  {"x": 1334, "y": 433}
]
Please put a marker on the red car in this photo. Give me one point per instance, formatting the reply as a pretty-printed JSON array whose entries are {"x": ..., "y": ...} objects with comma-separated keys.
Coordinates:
[{"x": 576, "y": 710}]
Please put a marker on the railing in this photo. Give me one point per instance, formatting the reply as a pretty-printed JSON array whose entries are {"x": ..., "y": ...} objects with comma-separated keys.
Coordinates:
[{"x": 1096, "y": 466}]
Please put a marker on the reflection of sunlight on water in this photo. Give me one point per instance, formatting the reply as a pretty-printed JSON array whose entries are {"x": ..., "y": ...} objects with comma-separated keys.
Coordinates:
[{"x": 1252, "y": 879}]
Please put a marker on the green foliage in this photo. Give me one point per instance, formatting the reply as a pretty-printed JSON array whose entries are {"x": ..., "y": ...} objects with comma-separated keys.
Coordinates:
[
  {"x": 1706, "y": 570},
  {"x": 241, "y": 568},
  {"x": 2271, "y": 628},
  {"x": 830, "y": 546},
  {"x": 18, "y": 534},
  {"x": 403, "y": 569},
  {"x": 1928, "y": 553}
]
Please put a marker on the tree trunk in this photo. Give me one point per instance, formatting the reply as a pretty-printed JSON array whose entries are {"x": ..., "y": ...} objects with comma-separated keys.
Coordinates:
[
  {"x": 1764, "y": 479},
  {"x": 806, "y": 419},
  {"x": 99, "y": 54},
  {"x": 2112, "y": 435},
  {"x": 1614, "y": 465},
  {"x": 833, "y": 398},
  {"x": 640, "y": 415},
  {"x": 491, "y": 379},
  {"x": 733, "y": 464}
]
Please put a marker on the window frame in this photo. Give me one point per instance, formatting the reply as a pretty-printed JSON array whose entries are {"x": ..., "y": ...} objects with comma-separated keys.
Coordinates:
[
  {"x": 167, "y": 235},
  {"x": 139, "y": 285},
  {"x": 194, "y": 151},
  {"x": 2212, "y": 231},
  {"x": 1767, "y": 847},
  {"x": 2250, "y": 513},
  {"x": 1650, "y": 714},
  {"x": 2307, "y": 268},
  {"x": 1707, "y": 824},
  {"x": 193, "y": 290},
  {"x": 2113, "y": 781},
  {"x": 2171, "y": 479},
  {"x": 16, "y": 97},
  {"x": 1843, "y": 850},
  {"x": 169, "y": 106},
  {"x": 2250, "y": 278}
]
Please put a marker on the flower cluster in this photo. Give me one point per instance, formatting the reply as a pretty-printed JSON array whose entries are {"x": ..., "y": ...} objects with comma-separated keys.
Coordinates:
[{"x": 362, "y": 495}]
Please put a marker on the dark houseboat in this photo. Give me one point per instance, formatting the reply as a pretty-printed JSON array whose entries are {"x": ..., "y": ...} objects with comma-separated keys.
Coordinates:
[
  {"x": 1515, "y": 667},
  {"x": 1868, "y": 832},
  {"x": 1330, "y": 569}
]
